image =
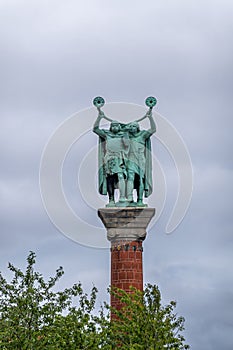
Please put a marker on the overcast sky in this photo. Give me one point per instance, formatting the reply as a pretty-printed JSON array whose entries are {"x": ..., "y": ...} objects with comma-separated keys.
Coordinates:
[{"x": 55, "y": 57}]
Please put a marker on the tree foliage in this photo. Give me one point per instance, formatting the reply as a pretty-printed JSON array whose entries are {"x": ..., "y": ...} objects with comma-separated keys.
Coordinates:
[
  {"x": 34, "y": 316},
  {"x": 143, "y": 323}
]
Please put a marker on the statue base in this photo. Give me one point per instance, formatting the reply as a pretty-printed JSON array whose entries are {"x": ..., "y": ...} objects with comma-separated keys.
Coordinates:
[{"x": 126, "y": 224}]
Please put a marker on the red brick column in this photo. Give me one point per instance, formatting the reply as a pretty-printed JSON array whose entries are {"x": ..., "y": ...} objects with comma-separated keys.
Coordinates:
[
  {"x": 126, "y": 267},
  {"x": 126, "y": 229}
]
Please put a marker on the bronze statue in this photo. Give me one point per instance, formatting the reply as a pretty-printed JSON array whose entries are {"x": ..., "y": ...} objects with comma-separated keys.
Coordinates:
[{"x": 125, "y": 158}]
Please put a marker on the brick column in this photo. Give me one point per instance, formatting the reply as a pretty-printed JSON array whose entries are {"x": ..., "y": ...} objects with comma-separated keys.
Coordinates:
[{"x": 126, "y": 229}]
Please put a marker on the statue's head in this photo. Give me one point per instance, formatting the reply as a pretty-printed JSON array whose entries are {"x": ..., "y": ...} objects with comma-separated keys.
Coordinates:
[
  {"x": 115, "y": 126},
  {"x": 133, "y": 127}
]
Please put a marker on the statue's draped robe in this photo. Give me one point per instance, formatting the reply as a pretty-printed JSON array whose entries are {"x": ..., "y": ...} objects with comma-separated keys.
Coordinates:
[
  {"x": 141, "y": 167},
  {"x": 148, "y": 184},
  {"x": 140, "y": 160},
  {"x": 112, "y": 158}
]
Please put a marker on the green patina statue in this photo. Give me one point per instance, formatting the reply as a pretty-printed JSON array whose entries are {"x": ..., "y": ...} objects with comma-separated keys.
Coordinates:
[{"x": 125, "y": 158}]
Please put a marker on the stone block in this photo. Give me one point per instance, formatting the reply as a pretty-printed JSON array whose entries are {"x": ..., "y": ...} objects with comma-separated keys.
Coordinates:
[{"x": 126, "y": 224}]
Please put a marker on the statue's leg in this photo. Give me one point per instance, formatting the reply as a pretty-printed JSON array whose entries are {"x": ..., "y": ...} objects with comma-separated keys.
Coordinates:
[
  {"x": 140, "y": 190},
  {"x": 121, "y": 186},
  {"x": 110, "y": 189},
  {"x": 130, "y": 186},
  {"x": 140, "y": 193}
]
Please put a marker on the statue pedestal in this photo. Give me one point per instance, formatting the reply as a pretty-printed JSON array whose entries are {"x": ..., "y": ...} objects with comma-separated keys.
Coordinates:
[
  {"x": 126, "y": 224},
  {"x": 126, "y": 229}
]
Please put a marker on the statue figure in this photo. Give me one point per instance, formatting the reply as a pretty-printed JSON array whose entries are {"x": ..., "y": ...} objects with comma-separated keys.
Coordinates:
[
  {"x": 125, "y": 157},
  {"x": 113, "y": 150},
  {"x": 139, "y": 164}
]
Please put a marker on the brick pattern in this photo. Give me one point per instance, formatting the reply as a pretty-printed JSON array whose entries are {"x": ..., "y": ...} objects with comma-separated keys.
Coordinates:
[{"x": 126, "y": 267}]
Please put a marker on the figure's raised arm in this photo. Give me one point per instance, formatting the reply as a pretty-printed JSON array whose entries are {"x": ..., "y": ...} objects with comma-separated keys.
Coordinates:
[
  {"x": 150, "y": 102},
  {"x": 96, "y": 128},
  {"x": 152, "y": 129}
]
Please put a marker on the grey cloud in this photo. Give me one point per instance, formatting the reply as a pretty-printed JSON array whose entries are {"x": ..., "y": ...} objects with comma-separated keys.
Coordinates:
[{"x": 74, "y": 58}]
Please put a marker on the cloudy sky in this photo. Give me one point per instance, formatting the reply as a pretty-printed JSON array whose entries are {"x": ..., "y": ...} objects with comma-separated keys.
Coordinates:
[{"x": 55, "y": 57}]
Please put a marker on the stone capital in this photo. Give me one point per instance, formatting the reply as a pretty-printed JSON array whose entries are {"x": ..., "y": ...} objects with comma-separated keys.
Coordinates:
[{"x": 126, "y": 224}]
